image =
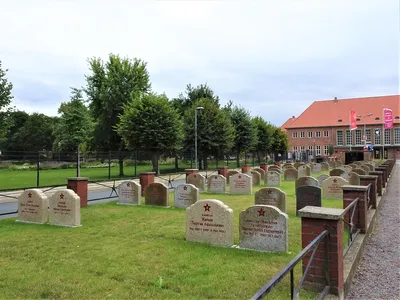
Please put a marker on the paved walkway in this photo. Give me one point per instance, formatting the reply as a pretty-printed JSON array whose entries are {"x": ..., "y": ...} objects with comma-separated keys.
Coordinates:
[{"x": 378, "y": 275}]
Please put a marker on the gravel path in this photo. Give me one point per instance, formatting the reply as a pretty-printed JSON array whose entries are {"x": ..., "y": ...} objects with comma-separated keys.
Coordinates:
[{"x": 378, "y": 275}]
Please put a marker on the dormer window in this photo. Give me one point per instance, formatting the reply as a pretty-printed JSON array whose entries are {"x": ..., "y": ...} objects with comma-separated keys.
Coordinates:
[
  {"x": 340, "y": 120},
  {"x": 358, "y": 120},
  {"x": 377, "y": 119},
  {"x": 397, "y": 117}
]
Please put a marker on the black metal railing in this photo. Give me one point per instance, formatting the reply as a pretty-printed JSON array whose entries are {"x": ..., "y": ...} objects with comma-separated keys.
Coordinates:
[
  {"x": 289, "y": 268},
  {"x": 369, "y": 191},
  {"x": 105, "y": 187},
  {"x": 352, "y": 231}
]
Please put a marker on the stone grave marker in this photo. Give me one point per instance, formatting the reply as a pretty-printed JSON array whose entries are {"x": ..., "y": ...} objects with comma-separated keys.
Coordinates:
[
  {"x": 129, "y": 193},
  {"x": 353, "y": 166},
  {"x": 370, "y": 166},
  {"x": 261, "y": 171},
  {"x": 263, "y": 228},
  {"x": 256, "y": 177},
  {"x": 186, "y": 195},
  {"x": 332, "y": 164},
  {"x": 197, "y": 180},
  {"x": 32, "y": 207},
  {"x": 272, "y": 178},
  {"x": 216, "y": 184},
  {"x": 285, "y": 165},
  {"x": 332, "y": 187},
  {"x": 365, "y": 168},
  {"x": 336, "y": 172},
  {"x": 304, "y": 170},
  {"x": 65, "y": 209},
  {"x": 360, "y": 171},
  {"x": 321, "y": 178},
  {"x": 275, "y": 168},
  {"x": 240, "y": 184},
  {"x": 324, "y": 166},
  {"x": 347, "y": 168},
  {"x": 308, "y": 195},
  {"x": 307, "y": 180},
  {"x": 209, "y": 221},
  {"x": 290, "y": 175},
  {"x": 156, "y": 194},
  {"x": 298, "y": 164},
  {"x": 354, "y": 178},
  {"x": 316, "y": 168},
  {"x": 271, "y": 196},
  {"x": 229, "y": 174}
]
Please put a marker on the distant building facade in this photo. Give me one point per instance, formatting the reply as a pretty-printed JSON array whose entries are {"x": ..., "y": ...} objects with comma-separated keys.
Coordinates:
[{"x": 326, "y": 124}]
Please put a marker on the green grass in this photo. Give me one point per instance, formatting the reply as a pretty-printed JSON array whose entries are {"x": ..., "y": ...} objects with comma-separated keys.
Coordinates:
[{"x": 139, "y": 252}]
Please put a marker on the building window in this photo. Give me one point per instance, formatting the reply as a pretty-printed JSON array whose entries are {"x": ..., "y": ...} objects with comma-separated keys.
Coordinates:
[
  {"x": 302, "y": 134},
  {"x": 302, "y": 148},
  {"x": 367, "y": 134},
  {"x": 326, "y": 133},
  {"x": 397, "y": 136},
  {"x": 318, "y": 134},
  {"x": 294, "y": 135},
  {"x": 349, "y": 137},
  {"x": 358, "y": 137},
  {"x": 339, "y": 137},
  {"x": 377, "y": 136},
  {"x": 388, "y": 139},
  {"x": 310, "y": 134},
  {"x": 326, "y": 150},
  {"x": 318, "y": 150},
  {"x": 294, "y": 148},
  {"x": 310, "y": 148}
]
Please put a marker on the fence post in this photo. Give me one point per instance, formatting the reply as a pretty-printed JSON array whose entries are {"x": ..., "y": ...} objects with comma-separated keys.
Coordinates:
[
  {"x": 352, "y": 192},
  {"x": 109, "y": 165},
  {"x": 136, "y": 157},
  {"x": 38, "y": 170}
]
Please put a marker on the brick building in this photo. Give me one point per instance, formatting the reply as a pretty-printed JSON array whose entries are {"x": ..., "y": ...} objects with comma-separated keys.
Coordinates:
[{"x": 326, "y": 123}]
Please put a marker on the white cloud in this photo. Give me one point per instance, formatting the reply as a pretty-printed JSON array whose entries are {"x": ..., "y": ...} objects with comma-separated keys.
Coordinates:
[{"x": 254, "y": 52}]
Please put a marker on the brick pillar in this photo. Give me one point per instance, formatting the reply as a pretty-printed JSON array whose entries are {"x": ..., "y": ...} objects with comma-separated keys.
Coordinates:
[
  {"x": 245, "y": 169},
  {"x": 264, "y": 166},
  {"x": 315, "y": 220},
  {"x": 384, "y": 177},
  {"x": 80, "y": 186},
  {"x": 350, "y": 193},
  {"x": 191, "y": 171},
  {"x": 365, "y": 180},
  {"x": 146, "y": 178},
  {"x": 387, "y": 166},
  {"x": 379, "y": 186},
  {"x": 223, "y": 171}
]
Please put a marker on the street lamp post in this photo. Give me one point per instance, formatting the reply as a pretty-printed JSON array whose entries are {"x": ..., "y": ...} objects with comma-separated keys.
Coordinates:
[{"x": 195, "y": 134}]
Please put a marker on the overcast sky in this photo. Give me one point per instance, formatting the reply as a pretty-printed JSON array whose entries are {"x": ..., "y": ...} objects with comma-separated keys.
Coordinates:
[{"x": 273, "y": 57}]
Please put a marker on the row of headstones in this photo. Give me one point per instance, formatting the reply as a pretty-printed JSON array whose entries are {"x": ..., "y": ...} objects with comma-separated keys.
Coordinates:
[
  {"x": 63, "y": 208},
  {"x": 261, "y": 227}
]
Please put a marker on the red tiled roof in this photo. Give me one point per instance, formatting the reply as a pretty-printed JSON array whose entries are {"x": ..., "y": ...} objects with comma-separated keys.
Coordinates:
[
  {"x": 287, "y": 123},
  {"x": 329, "y": 112}
]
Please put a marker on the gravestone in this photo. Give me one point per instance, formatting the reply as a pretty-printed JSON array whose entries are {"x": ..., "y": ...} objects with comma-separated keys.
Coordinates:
[
  {"x": 347, "y": 168},
  {"x": 229, "y": 174},
  {"x": 360, "y": 171},
  {"x": 197, "y": 180},
  {"x": 271, "y": 196},
  {"x": 210, "y": 221},
  {"x": 324, "y": 166},
  {"x": 365, "y": 168},
  {"x": 336, "y": 172},
  {"x": 156, "y": 194},
  {"x": 332, "y": 164},
  {"x": 32, "y": 207},
  {"x": 303, "y": 170},
  {"x": 321, "y": 178},
  {"x": 370, "y": 166},
  {"x": 332, "y": 187},
  {"x": 275, "y": 168},
  {"x": 272, "y": 178},
  {"x": 129, "y": 193},
  {"x": 216, "y": 184},
  {"x": 298, "y": 164},
  {"x": 186, "y": 195},
  {"x": 354, "y": 178},
  {"x": 256, "y": 177},
  {"x": 316, "y": 168},
  {"x": 290, "y": 175},
  {"x": 353, "y": 166},
  {"x": 261, "y": 171},
  {"x": 308, "y": 181},
  {"x": 285, "y": 165},
  {"x": 263, "y": 228},
  {"x": 345, "y": 176},
  {"x": 65, "y": 209},
  {"x": 308, "y": 195},
  {"x": 240, "y": 184}
]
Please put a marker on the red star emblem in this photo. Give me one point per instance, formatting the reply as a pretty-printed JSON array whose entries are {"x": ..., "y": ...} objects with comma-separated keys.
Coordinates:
[
  {"x": 128, "y": 184},
  {"x": 30, "y": 195},
  {"x": 261, "y": 212},
  {"x": 207, "y": 207},
  {"x": 239, "y": 176},
  {"x": 269, "y": 192},
  {"x": 185, "y": 188},
  {"x": 61, "y": 196},
  {"x": 335, "y": 180}
]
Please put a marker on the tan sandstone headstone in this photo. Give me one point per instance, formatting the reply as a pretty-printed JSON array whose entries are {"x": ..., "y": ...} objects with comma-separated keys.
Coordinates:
[
  {"x": 129, "y": 193},
  {"x": 197, "y": 180},
  {"x": 65, "y": 209},
  {"x": 210, "y": 221},
  {"x": 186, "y": 195},
  {"x": 271, "y": 196},
  {"x": 240, "y": 184},
  {"x": 272, "y": 178},
  {"x": 256, "y": 177},
  {"x": 216, "y": 184},
  {"x": 32, "y": 207},
  {"x": 332, "y": 187}
]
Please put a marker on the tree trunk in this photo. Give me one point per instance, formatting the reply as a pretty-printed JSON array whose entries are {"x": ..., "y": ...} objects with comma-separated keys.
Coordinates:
[
  {"x": 238, "y": 159},
  {"x": 205, "y": 162},
  {"x": 176, "y": 164},
  {"x": 155, "y": 163},
  {"x": 121, "y": 166}
]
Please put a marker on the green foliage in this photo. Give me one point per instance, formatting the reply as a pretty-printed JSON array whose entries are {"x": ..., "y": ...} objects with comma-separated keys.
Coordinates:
[
  {"x": 331, "y": 149},
  {"x": 214, "y": 128},
  {"x": 5, "y": 101},
  {"x": 264, "y": 140},
  {"x": 150, "y": 123},
  {"x": 74, "y": 126},
  {"x": 14, "y": 142},
  {"x": 280, "y": 141}
]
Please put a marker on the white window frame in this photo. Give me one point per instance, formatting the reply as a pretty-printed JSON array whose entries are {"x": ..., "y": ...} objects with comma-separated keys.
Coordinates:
[
  {"x": 318, "y": 150},
  {"x": 294, "y": 135},
  {"x": 310, "y": 134},
  {"x": 367, "y": 132},
  {"x": 358, "y": 136},
  {"x": 294, "y": 148},
  {"x": 326, "y": 150},
  {"x": 302, "y": 148},
  {"x": 349, "y": 137},
  {"x": 326, "y": 133},
  {"x": 378, "y": 142},
  {"x": 396, "y": 135},
  {"x": 337, "y": 138},
  {"x": 302, "y": 134},
  {"x": 387, "y": 137},
  {"x": 318, "y": 134}
]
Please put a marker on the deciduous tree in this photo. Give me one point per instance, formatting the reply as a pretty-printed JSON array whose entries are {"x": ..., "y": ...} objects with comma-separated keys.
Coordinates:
[
  {"x": 265, "y": 132},
  {"x": 5, "y": 101}
]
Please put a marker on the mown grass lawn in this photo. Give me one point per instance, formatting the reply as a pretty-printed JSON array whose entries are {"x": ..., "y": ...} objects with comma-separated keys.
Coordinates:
[{"x": 139, "y": 252}]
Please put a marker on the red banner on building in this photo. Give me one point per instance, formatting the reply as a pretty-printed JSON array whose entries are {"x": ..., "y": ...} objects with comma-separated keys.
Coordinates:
[
  {"x": 387, "y": 113},
  {"x": 353, "y": 120}
]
